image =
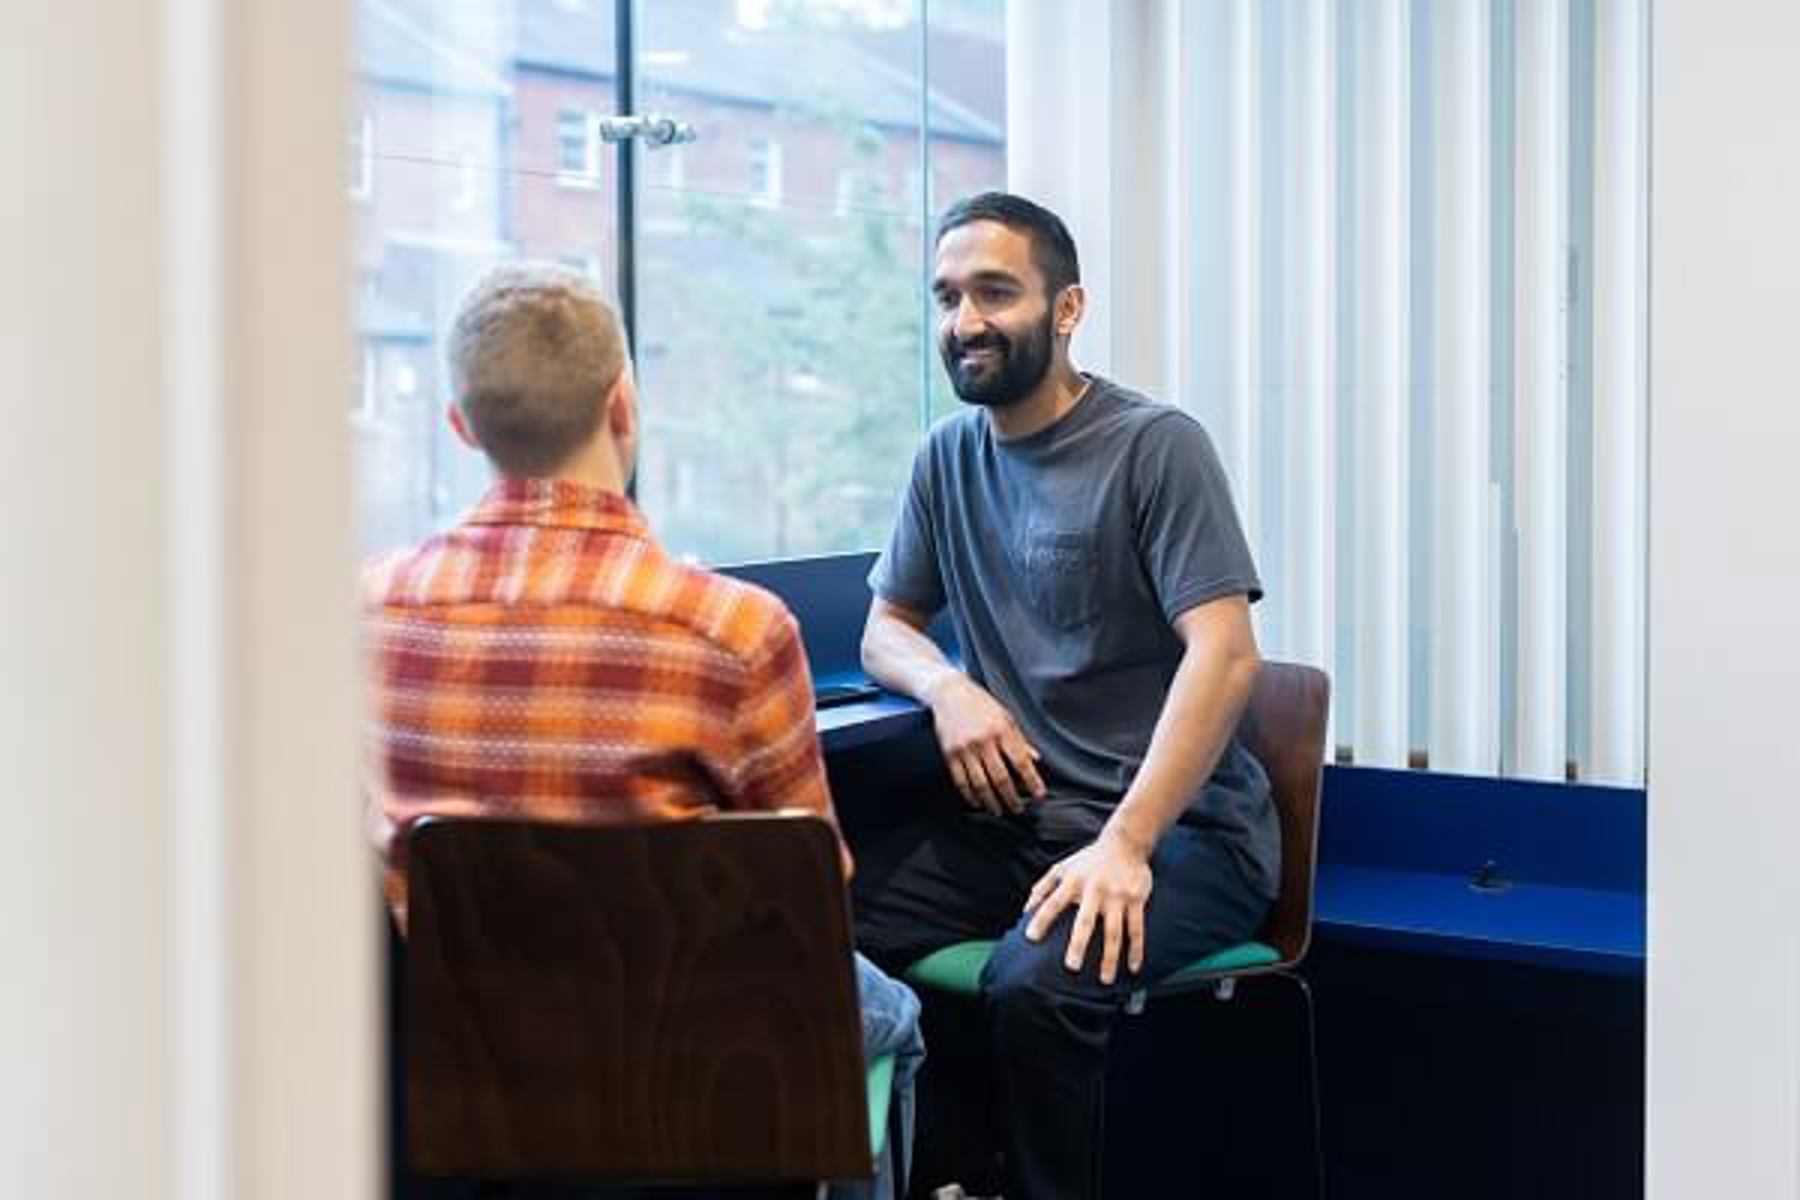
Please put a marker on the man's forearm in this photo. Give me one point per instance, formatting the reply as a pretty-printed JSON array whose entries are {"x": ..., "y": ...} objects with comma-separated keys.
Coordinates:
[
  {"x": 904, "y": 659},
  {"x": 1204, "y": 703}
]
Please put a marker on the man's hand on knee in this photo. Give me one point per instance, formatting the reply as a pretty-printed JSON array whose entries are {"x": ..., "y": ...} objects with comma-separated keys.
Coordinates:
[{"x": 1109, "y": 883}]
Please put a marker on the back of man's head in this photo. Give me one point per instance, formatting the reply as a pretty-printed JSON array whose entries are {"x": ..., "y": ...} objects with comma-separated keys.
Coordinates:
[{"x": 534, "y": 352}]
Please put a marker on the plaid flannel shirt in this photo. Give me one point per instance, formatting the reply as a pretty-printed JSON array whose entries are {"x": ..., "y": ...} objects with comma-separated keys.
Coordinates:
[{"x": 546, "y": 659}]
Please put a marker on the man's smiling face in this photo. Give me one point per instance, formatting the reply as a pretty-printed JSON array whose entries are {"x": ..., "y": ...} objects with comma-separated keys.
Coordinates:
[{"x": 996, "y": 324}]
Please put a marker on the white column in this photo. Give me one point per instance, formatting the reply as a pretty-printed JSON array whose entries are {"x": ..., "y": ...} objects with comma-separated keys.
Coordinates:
[
  {"x": 186, "y": 898},
  {"x": 303, "y": 892},
  {"x": 84, "y": 728},
  {"x": 1463, "y": 724},
  {"x": 1541, "y": 173},
  {"x": 1309, "y": 539},
  {"x": 1723, "y": 1060},
  {"x": 1620, "y": 278},
  {"x": 1381, "y": 569},
  {"x": 196, "y": 532}
]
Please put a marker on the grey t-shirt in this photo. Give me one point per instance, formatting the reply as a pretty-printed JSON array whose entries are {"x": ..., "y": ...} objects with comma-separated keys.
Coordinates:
[{"x": 1064, "y": 556}]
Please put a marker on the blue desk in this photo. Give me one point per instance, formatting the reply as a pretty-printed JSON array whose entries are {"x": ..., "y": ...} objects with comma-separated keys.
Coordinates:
[
  {"x": 829, "y": 596},
  {"x": 1579, "y": 929},
  {"x": 1397, "y": 849},
  {"x": 887, "y": 718},
  {"x": 1400, "y": 850}
]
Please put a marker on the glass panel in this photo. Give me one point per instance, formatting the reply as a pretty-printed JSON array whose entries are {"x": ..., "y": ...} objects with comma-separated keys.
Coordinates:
[
  {"x": 966, "y": 45},
  {"x": 471, "y": 141},
  {"x": 781, "y": 334},
  {"x": 781, "y": 341}
]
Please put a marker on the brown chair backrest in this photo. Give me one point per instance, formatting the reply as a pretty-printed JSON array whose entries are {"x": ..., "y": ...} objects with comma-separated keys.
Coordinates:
[
  {"x": 641, "y": 1003},
  {"x": 1284, "y": 727}
]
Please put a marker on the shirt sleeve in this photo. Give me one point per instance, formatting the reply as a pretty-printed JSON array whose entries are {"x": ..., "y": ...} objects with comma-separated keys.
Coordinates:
[
  {"x": 777, "y": 736},
  {"x": 1188, "y": 534},
  {"x": 907, "y": 572}
]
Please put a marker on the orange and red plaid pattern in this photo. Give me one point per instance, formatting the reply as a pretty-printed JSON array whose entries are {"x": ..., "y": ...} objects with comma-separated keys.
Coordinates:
[{"x": 546, "y": 659}]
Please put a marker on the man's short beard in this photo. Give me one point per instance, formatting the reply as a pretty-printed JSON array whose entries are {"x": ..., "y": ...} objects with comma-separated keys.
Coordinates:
[{"x": 1022, "y": 365}]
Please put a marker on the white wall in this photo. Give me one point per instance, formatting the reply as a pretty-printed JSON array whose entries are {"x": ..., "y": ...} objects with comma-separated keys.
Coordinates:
[
  {"x": 1724, "y": 729},
  {"x": 186, "y": 905}
]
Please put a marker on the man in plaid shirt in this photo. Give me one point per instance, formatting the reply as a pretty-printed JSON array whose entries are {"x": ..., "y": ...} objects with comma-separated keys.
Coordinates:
[{"x": 546, "y": 659}]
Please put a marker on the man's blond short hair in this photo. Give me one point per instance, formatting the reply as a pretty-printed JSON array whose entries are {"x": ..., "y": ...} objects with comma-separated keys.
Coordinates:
[{"x": 533, "y": 353}]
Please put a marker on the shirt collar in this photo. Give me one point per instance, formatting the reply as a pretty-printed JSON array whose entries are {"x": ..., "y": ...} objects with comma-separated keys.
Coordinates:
[{"x": 558, "y": 504}]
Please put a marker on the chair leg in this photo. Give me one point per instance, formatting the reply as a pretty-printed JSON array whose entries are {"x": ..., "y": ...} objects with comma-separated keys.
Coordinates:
[{"x": 1312, "y": 1089}]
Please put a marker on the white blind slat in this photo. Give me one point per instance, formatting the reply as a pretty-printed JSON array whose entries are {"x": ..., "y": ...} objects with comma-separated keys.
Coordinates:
[
  {"x": 1381, "y": 567},
  {"x": 1310, "y": 341},
  {"x": 1463, "y": 701},
  {"x": 1616, "y": 719},
  {"x": 1540, "y": 188}
]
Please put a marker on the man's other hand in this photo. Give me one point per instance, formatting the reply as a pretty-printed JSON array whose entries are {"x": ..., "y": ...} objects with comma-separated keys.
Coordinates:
[
  {"x": 991, "y": 763},
  {"x": 1109, "y": 881}
]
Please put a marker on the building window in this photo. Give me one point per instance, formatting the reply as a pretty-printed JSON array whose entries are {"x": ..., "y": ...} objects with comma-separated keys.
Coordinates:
[
  {"x": 587, "y": 264},
  {"x": 577, "y": 148},
  {"x": 365, "y": 401},
  {"x": 462, "y": 200},
  {"x": 765, "y": 171},
  {"x": 362, "y": 158},
  {"x": 675, "y": 167}
]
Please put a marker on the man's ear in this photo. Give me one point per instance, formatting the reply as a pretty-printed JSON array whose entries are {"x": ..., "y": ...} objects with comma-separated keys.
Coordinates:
[
  {"x": 1070, "y": 306},
  {"x": 621, "y": 408},
  {"x": 460, "y": 424}
]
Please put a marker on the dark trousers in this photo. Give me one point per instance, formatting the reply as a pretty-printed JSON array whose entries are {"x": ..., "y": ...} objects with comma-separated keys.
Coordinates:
[{"x": 955, "y": 875}]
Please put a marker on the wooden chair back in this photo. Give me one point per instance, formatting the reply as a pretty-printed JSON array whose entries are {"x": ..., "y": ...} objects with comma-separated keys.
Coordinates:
[
  {"x": 632, "y": 1003},
  {"x": 1284, "y": 727}
]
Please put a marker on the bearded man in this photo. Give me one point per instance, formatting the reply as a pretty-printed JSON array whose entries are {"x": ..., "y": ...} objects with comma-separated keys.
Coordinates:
[{"x": 1084, "y": 540}]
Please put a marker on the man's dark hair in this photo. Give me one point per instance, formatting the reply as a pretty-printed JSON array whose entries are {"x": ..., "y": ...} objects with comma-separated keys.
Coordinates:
[{"x": 1052, "y": 249}]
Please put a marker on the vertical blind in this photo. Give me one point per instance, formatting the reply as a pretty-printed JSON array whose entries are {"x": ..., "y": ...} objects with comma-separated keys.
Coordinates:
[{"x": 1416, "y": 317}]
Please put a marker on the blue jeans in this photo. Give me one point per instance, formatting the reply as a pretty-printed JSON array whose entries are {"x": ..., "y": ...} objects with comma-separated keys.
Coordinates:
[{"x": 890, "y": 1021}]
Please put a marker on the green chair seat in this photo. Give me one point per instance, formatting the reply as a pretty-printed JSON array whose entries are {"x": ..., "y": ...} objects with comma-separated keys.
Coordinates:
[
  {"x": 881, "y": 1094},
  {"x": 957, "y": 968}
]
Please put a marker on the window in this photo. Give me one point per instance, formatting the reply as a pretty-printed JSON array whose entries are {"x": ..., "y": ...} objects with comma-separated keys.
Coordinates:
[
  {"x": 765, "y": 171},
  {"x": 1396, "y": 343},
  {"x": 797, "y": 377},
  {"x": 463, "y": 199},
  {"x": 587, "y": 264},
  {"x": 362, "y": 158},
  {"x": 365, "y": 398},
  {"x": 577, "y": 148},
  {"x": 781, "y": 345}
]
